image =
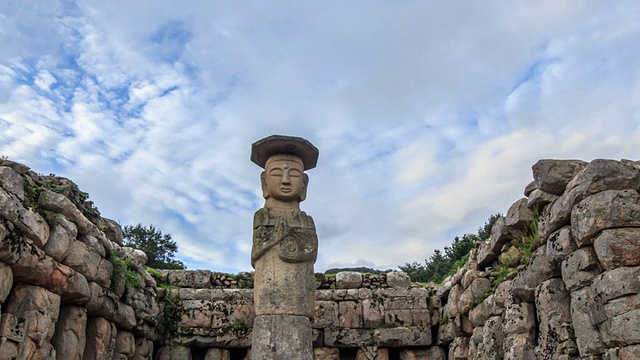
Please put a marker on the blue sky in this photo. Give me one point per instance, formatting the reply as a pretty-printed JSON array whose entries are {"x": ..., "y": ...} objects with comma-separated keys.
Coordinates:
[{"x": 428, "y": 115}]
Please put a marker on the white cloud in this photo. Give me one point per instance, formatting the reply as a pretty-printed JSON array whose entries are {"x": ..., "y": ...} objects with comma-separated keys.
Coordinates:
[{"x": 428, "y": 116}]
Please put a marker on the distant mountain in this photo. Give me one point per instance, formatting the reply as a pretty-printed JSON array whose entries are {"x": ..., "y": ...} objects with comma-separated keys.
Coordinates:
[{"x": 360, "y": 269}]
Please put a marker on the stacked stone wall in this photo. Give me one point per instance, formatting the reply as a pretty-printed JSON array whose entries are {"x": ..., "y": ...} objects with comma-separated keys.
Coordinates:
[
  {"x": 60, "y": 297},
  {"x": 559, "y": 278}
]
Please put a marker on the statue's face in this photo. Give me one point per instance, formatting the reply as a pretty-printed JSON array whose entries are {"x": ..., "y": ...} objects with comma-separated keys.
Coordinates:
[{"x": 283, "y": 179}]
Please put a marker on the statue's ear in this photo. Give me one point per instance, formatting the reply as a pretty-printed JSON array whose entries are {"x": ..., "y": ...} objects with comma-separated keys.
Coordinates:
[
  {"x": 263, "y": 183},
  {"x": 305, "y": 182}
]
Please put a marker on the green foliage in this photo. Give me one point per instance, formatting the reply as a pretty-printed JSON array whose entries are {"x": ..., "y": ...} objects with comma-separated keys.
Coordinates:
[
  {"x": 439, "y": 265},
  {"x": 239, "y": 325},
  {"x": 123, "y": 273},
  {"x": 171, "y": 314},
  {"x": 154, "y": 272},
  {"x": 159, "y": 247}
]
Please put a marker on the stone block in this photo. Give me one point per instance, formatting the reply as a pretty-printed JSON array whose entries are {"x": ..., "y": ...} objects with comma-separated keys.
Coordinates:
[
  {"x": 125, "y": 344},
  {"x": 373, "y": 313},
  {"x": 403, "y": 336},
  {"x": 348, "y": 280},
  {"x": 518, "y": 216},
  {"x": 588, "y": 336},
  {"x": 519, "y": 318},
  {"x": 327, "y": 314},
  {"x": 622, "y": 353},
  {"x": 552, "y": 176},
  {"x": 553, "y": 307},
  {"x": 144, "y": 350},
  {"x": 580, "y": 268},
  {"x": 62, "y": 235},
  {"x": 6, "y": 281},
  {"x": 350, "y": 314},
  {"x": 538, "y": 199},
  {"x": 83, "y": 259},
  {"x": 621, "y": 330},
  {"x": 491, "y": 345},
  {"x": 618, "y": 247},
  {"x": 70, "y": 335},
  {"x": 519, "y": 347},
  {"x": 604, "y": 210},
  {"x": 282, "y": 336},
  {"x": 432, "y": 353},
  {"x": 398, "y": 279},
  {"x": 326, "y": 353},
  {"x": 615, "y": 283},
  {"x": 372, "y": 353},
  {"x": 559, "y": 245},
  {"x": 459, "y": 348},
  {"x": 38, "y": 307},
  {"x": 100, "y": 339}
]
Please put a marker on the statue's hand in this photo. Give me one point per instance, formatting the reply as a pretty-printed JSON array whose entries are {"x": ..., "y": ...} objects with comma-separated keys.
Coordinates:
[{"x": 281, "y": 229}]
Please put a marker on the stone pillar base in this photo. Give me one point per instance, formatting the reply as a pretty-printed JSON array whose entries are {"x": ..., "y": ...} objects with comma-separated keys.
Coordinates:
[{"x": 281, "y": 337}]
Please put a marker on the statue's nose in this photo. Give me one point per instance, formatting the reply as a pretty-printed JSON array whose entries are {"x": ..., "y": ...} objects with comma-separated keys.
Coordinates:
[{"x": 285, "y": 178}]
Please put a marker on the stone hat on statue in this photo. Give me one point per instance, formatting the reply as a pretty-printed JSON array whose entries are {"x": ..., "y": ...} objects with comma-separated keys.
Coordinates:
[{"x": 262, "y": 149}]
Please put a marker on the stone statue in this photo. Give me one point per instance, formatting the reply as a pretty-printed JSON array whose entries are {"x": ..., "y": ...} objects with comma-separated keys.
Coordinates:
[{"x": 285, "y": 247}]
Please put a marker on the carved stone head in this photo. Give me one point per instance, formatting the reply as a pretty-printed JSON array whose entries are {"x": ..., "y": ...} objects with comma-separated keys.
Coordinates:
[
  {"x": 284, "y": 178},
  {"x": 284, "y": 159}
]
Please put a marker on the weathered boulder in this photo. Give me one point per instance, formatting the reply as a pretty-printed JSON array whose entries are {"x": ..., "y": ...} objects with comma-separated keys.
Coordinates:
[
  {"x": 622, "y": 353},
  {"x": 372, "y": 353},
  {"x": 476, "y": 292},
  {"x": 29, "y": 222},
  {"x": 403, "y": 336},
  {"x": 125, "y": 345},
  {"x": 100, "y": 342},
  {"x": 490, "y": 346},
  {"x": 615, "y": 283},
  {"x": 348, "y": 280},
  {"x": 537, "y": 270},
  {"x": 518, "y": 216},
  {"x": 59, "y": 203},
  {"x": 6, "y": 281},
  {"x": 538, "y": 199},
  {"x": 553, "y": 308},
  {"x": 552, "y": 176},
  {"x": 587, "y": 335},
  {"x": 39, "y": 308},
  {"x": 83, "y": 259},
  {"x": 112, "y": 230},
  {"x": 70, "y": 336},
  {"x": 459, "y": 348},
  {"x": 12, "y": 182},
  {"x": 618, "y": 247},
  {"x": 398, "y": 279},
  {"x": 144, "y": 351},
  {"x": 580, "y": 268},
  {"x": 61, "y": 236},
  {"x": 559, "y": 245},
  {"x": 604, "y": 210},
  {"x": 326, "y": 353},
  {"x": 432, "y": 353}
]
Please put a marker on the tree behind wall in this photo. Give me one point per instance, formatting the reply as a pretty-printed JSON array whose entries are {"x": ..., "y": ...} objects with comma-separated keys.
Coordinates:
[{"x": 159, "y": 247}]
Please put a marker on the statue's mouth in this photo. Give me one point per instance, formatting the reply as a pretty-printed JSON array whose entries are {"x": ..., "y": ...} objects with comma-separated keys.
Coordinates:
[{"x": 286, "y": 189}]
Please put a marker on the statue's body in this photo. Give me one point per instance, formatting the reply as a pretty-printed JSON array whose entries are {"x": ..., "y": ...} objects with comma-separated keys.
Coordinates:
[{"x": 285, "y": 247}]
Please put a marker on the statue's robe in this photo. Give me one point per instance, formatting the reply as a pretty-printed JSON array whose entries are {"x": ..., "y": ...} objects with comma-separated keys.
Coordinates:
[{"x": 284, "y": 251}]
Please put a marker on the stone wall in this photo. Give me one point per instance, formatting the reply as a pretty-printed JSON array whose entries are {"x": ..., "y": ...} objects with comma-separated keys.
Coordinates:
[
  {"x": 66, "y": 287},
  {"x": 558, "y": 279}
]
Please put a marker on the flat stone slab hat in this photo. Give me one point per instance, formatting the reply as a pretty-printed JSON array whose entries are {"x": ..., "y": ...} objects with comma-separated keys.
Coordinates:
[{"x": 262, "y": 149}]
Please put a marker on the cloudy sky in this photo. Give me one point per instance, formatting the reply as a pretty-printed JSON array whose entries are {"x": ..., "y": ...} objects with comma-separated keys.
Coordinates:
[{"x": 428, "y": 115}]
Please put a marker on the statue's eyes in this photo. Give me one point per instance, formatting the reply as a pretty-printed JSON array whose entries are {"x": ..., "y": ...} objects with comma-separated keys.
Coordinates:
[
  {"x": 275, "y": 172},
  {"x": 295, "y": 173}
]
